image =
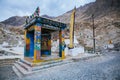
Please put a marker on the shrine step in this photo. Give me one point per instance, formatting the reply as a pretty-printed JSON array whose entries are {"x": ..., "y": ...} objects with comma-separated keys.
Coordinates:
[
  {"x": 47, "y": 65},
  {"x": 23, "y": 69},
  {"x": 19, "y": 70},
  {"x": 40, "y": 63},
  {"x": 26, "y": 62},
  {"x": 25, "y": 66}
]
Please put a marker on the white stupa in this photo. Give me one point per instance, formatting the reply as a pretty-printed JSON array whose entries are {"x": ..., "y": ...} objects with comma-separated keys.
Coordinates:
[{"x": 78, "y": 49}]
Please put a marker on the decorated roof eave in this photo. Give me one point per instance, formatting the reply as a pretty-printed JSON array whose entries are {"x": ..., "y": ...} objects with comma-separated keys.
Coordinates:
[{"x": 45, "y": 22}]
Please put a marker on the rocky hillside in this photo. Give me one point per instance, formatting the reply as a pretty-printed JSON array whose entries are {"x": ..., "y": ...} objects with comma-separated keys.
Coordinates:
[
  {"x": 13, "y": 36},
  {"x": 11, "y": 32},
  {"x": 106, "y": 19},
  {"x": 14, "y": 21},
  {"x": 100, "y": 8}
]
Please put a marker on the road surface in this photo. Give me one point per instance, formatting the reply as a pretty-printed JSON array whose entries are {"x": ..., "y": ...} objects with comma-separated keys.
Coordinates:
[{"x": 105, "y": 67}]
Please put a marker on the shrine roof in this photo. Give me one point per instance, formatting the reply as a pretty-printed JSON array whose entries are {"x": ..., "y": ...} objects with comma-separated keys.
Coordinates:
[{"x": 44, "y": 21}]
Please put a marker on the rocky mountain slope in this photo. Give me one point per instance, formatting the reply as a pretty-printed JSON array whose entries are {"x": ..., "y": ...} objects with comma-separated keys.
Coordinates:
[
  {"x": 11, "y": 31},
  {"x": 100, "y": 8},
  {"x": 106, "y": 20},
  {"x": 14, "y": 21},
  {"x": 12, "y": 36}
]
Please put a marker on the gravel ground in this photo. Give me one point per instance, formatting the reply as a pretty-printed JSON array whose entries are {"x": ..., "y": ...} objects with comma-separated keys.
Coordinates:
[
  {"x": 6, "y": 73},
  {"x": 105, "y": 67}
]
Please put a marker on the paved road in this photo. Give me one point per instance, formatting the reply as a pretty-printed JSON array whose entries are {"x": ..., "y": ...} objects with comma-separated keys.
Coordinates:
[{"x": 105, "y": 67}]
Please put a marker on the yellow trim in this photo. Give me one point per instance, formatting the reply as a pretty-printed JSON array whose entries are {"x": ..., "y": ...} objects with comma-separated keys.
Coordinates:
[
  {"x": 35, "y": 54},
  {"x": 28, "y": 41},
  {"x": 25, "y": 35},
  {"x": 37, "y": 61},
  {"x": 63, "y": 54}
]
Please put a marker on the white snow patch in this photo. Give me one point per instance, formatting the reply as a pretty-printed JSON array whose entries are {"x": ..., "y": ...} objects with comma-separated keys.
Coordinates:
[
  {"x": 110, "y": 46},
  {"x": 5, "y": 44},
  {"x": 67, "y": 41},
  {"x": 19, "y": 50},
  {"x": 75, "y": 51},
  {"x": 15, "y": 50},
  {"x": 11, "y": 57}
]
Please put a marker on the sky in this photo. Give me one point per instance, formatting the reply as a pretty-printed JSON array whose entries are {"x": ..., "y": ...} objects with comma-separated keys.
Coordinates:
[{"x": 54, "y": 8}]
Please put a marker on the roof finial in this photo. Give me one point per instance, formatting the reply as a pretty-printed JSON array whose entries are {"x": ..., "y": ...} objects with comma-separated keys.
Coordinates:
[{"x": 37, "y": 11}]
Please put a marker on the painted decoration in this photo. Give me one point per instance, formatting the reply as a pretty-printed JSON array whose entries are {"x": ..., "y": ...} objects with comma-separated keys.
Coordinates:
[
  {"x": 37, "y": 42},
  {"x": 38, "y": 55},
  {"x": 27, "y": 46},
  {"x": 61, "y": 44}
]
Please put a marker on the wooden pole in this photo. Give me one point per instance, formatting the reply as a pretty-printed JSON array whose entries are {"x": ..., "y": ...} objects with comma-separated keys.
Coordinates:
[{"x": 93, "y": 33}]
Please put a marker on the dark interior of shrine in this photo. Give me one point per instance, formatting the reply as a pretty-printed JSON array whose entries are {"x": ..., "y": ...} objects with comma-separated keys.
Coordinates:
[{"x": 45, "y": 42}]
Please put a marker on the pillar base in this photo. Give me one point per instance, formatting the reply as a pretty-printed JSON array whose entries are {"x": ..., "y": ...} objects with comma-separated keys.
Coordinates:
[{"x": 70, "y": 47}]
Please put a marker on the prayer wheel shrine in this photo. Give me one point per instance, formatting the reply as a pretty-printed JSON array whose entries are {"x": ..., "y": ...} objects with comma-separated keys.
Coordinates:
[{"x": 38, "y": 38}]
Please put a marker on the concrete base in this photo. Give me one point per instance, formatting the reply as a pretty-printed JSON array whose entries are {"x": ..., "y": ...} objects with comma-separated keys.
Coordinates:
[{"x": 25, "y": 68}]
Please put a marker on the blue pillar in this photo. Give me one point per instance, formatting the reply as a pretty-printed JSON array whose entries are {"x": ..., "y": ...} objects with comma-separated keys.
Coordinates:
[{"x": 31, "y": 45}]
